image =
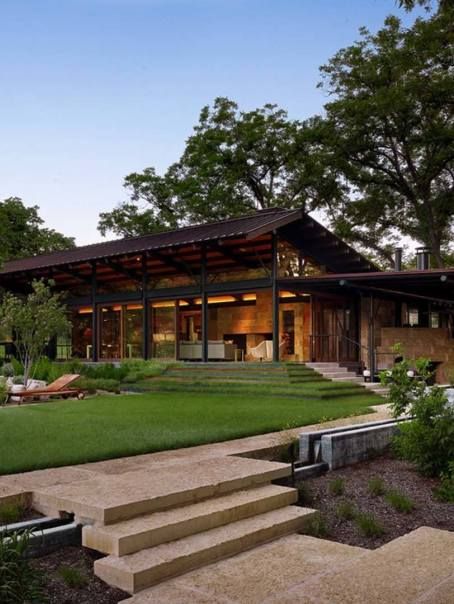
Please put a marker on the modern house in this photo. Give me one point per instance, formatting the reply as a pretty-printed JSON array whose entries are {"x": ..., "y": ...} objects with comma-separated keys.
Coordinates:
[{"x": 275, "y": 285}]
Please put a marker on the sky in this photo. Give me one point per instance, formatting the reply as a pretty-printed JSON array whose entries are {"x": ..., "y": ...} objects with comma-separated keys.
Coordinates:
[{"x": 92, "y": 90}]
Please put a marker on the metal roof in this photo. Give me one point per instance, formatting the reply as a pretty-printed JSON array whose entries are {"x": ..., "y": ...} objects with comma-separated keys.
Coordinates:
[{"x": 249, "y": 227}]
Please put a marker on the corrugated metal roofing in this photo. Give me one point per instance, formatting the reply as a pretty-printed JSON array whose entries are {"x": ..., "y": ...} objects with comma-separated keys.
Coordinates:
[{"x": 260, "y": 222}]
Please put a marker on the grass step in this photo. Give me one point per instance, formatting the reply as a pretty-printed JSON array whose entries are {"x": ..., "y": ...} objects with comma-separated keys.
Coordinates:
[
  {"x": 142, "y": 569},
  {"x": 150, "y": 530}
]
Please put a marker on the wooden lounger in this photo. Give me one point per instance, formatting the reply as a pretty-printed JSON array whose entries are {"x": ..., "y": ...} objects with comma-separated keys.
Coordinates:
[{"x": 57, "y": 388}]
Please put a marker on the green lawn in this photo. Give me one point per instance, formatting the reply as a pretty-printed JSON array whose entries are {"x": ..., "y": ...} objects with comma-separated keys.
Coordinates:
[{"x": 102, "y": 427}]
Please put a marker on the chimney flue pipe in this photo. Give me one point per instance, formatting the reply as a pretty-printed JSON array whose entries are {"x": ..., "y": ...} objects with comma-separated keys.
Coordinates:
[
  {"x": 398, "y": 259},
  {"x": 422, "y": 258}
]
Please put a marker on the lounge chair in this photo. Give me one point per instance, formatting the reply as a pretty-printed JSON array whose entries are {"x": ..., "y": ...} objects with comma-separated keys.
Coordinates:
[{"x": 59, "y": 387}]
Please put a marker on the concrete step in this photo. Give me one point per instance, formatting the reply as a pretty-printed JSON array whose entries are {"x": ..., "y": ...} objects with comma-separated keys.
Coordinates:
[
  {"x": 131, "y": 536},
  {"x": 108, "y": 499},
  {"x": 339, "y": 374},
  {"x": 351, "y": 378},
  {"x": 143, "y": 569},
  {"x": 318, "y": 366},
  {"x": 268, "y": 571},
  {"x": 414, "y": 568}
]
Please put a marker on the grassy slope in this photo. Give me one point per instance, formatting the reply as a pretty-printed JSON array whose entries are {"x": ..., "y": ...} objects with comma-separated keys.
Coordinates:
[{"x": 67, "y": 432}]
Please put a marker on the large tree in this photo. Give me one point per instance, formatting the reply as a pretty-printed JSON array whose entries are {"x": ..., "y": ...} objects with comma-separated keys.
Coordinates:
[
  {"x": 22, "y": 232},
  {"x": 233, "y": 163},
  {"x": 390, "y": 129}
]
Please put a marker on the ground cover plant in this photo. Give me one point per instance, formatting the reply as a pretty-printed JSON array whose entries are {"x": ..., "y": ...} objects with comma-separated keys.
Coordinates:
[
  {"x": 366, "y": 518},
  {"x": 108, "y": 426}
]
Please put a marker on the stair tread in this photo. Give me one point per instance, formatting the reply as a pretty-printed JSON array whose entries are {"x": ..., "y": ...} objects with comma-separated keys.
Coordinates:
[
  {"x": 156, "y": 520},
  {"x": 166, "y": 552},
  {"x": 108, "y": 499}
]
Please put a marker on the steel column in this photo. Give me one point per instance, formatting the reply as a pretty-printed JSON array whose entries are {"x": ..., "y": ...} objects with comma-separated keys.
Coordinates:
[{"x": 275, "y": 299}]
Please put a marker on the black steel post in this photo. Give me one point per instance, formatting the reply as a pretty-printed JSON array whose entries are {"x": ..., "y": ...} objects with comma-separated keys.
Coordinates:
[
  {"x": 275, "y": 299},
  {"x": 94, "y": 316},
  {"x": 145, "y": 311},
  {"x": 203, "y": 279},
  {"x": 372, "y": 363}
]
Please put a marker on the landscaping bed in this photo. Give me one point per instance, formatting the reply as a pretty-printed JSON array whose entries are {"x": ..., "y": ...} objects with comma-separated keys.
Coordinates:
[
  {"x": 374, "y": 489},
  {"x": 68, "y": 578}
]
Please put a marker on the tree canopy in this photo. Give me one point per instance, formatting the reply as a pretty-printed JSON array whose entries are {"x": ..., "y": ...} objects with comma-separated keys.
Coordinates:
[
  {"x": 379, "y": 162},
  {"x": 233, "y": 163},
  {"x": 391, "y": 131},
  {"x": 22, "y": 232}
]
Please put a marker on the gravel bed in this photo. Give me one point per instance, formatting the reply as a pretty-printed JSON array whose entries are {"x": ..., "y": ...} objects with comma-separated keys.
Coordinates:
[{"x": 397, "y": 475}]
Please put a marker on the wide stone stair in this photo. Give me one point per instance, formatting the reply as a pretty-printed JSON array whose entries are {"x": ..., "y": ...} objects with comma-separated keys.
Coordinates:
[
  {"x": 162, "y": 522},
  {"x": 339, "y": 373}
]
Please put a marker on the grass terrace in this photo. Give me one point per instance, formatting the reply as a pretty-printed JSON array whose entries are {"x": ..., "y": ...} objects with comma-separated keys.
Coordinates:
[{"x": 179, "y": 407}]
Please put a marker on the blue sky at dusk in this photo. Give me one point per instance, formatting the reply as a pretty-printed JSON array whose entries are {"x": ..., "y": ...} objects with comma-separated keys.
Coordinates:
[{"x": 94, "y": 89}]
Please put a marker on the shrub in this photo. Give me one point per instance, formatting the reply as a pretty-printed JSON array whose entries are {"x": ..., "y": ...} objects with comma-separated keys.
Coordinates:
[
  {"x": 369, "y": 525},
  {"x": 8, "y": 370},
  {"x": 445, "y": 492},
  {"x": 91, "y": 385},
  {"x": 3, "y": 391},
  {"x": 336, "y": 487},
  {"x": 19, "y": 581},
  {"x": 73, "y": 577},
  {"x": 376, "y": 486},
  {"x": 316, "y": 526},
  {"x": 10, "y": 512},
  {"x": 346, "y": 510},
  {"x": 305, "y": 495},
  {"x": 400, "y": 502},
  {"x": 428, "y": 439},
  {"x": 106, "y": 371}
]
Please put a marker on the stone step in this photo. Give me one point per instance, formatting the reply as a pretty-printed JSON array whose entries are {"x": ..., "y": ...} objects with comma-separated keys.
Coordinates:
[
  {"x": 271, "y": 570},
  {"x": 413, "y": 568},
  {"x": 148, "y": 567},
  {"x": 131, "y": 536},
  {"x": 351, "y": 378},
  {"x": 108, "y": 499},
  {"x": 326, "y": 366},
  {"x": 339, "y": 374}
]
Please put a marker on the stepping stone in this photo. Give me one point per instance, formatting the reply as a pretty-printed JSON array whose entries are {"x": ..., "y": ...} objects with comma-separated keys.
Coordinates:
[
  {"x": 150, "y": 566},
  {"x": 107, "y": 499},
  {"x": 131, "y": 536}
]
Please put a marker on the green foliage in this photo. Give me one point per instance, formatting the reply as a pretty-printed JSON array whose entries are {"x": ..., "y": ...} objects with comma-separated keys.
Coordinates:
[
  {"x": 92, "y": 385},
  {"x": 427, "y": 440},
  {"x": 7, "y": 370},
  {"x": 3, "y": 391},
  {"x": 445, "y": 492},
  {"x": 305, "y": 495},
  {"x": 346, "y": 510},
  {"x": 316, "y": 525},
  {"x": 234, "y": 163},
  {"x": 369, "y": 525},
  {"x": 72, "y": 576},
  {"x": 106, "y": 371},
  {"x": 35, "y": 319},
  {"x": 22, "y": 232},
  {"x": 19, "y": 582},
  {"x": 389, "y": 128},
  {"x": 399, "y": 501},
  {"x": 10, "y": 512},
  {"x": 336, "y": 487},
  {"x": 376, "y": 486}
]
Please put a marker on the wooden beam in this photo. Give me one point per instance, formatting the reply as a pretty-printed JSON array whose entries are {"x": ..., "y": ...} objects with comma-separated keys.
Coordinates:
[{"x": 118, "y": 268}]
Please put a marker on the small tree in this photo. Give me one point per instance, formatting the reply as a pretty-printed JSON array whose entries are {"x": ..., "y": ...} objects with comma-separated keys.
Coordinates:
[
  {"x": 34, "y": 319},
  {"x": 428, "y": 439}
]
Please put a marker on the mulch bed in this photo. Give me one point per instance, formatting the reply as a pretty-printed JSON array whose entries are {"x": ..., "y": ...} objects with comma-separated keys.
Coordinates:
[
  {"x": 57, "y": 591},
  {"x": 396, "y": 474}
]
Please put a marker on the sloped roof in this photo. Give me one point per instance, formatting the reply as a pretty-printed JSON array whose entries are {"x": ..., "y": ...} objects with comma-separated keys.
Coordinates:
[{"x": 246, "y": 226}]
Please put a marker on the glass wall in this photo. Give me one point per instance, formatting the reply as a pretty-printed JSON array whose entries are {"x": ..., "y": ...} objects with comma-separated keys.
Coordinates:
[
  {"x": 163, "y": 332},
  {"x": 120, "y": 331},
  {"x": 82, "y": 332}
]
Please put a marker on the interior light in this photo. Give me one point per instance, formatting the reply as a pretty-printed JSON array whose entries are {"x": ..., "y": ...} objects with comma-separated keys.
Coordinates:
[
  {"x": 287, "y": 295},
  {"x": 85, "y": 311},
  {"x": 249, "y": 297},
  {"x": 165, "y": 304}
]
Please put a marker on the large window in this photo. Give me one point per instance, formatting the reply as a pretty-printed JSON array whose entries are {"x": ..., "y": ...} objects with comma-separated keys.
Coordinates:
[
  {"x": 163, "y": 330},
  {"x": 82, "y": 333},
  {"x": 121, "y": 331}
]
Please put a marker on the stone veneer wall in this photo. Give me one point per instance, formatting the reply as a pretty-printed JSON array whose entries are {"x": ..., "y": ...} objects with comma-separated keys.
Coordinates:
[
  {"x": 384, "y": 317},
  {"x": 434, "y": 344},
  {"x": 257, "y": 319}
]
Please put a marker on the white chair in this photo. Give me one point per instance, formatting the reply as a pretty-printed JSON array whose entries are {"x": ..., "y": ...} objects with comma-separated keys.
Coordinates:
[{"x": 262, "y": 350}]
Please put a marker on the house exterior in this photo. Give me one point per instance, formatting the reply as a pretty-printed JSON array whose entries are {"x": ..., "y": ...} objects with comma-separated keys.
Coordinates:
[{"x": 274, "y": 285}]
